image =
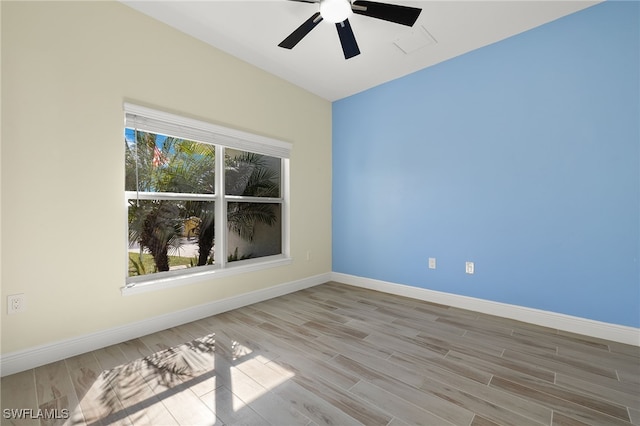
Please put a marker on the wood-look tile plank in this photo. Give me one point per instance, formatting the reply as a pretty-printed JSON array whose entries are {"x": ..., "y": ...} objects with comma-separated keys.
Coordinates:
[
  {"x": 341, "y": 291},
  {"x": 605, "y": 389},
  {"x": 254, "y": 383},
  {"x": 629, "y": 377},
  {"x": 303, "y": 365},
  {"x": 195, "y": 329},
  {"x": 313, "y": 312},
  {"x": 396, "y": 406},
  {"x": 110, "y": 357},
  {"x": 192, "y": 364},
  {"x": 336, "y": 329},
  {"x": 238, "y": 315},
  {"x": 481, "y": 404},
  {"x": 19, "y": 392},
  {"x": 334, "y": 302},
  {"x": 478, "y": 326},
  {"x": 562, "y": 364},
  {"x": 465, "y": 393},
  {"x": 624, "y": 349},
  {"x": 311, "y": 405},
  {"x": 374, "y": 324},
  {"x": 52, "y": 382},
  {"x": 230, "y": 409},
  {"x": 140, "y": 404},
  {"x": 482, "y": 421},
  {"x": 594, "y": 403},
  {"x": 134, "y": 349},
  {"x": 560, "y": 419},
  {"x": 97, "y": 400},
  {"x": 388, "y": 300},
  {"x": 166, "y": 339},
  {"x": 175, "y": 395},
  {"x": 229, "y": 347},
  {"x": 499, "y": 365},
  {"x": 344, "y": 400},
  {"x": 298, "y": 361},
  {"x": 346, "y": 345},
  {"x": 430, "y": 328},
  {"x": 443, "y": 311},
  {"x": 311, "y": 346},
  {"x": 276, "y": 411},
  {"x": 274, "y": 311},
  {"x": 291, "y": 326},
  {"x": 394, "y": 305},
  {"x": 397, "y": 422},
  {"x": 634, "y": 414},
  {"x": 573, "y": 338},
  {"x": 408, "y": 345},
  {"x": 367, "y": 366},
  {"x": 515, "y": 343},
  {"x": 568, "y": 340},
  {"x": 366, "y": 315},
  {"x": 400, "y": 383},
  {"x": 62, "y": 411},
  {"x": 55, "y": 393},
  {"x": 558, "y": 404},
  {"x": 461, "y": 344},
  {"x": 621, "y": 362},
  {"x": 442, "y": 368},
  {"x": 477, "y": 396}
]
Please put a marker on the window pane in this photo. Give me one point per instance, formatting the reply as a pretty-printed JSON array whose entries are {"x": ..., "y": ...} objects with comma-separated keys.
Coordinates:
[
  {"x": 169, "y": 235},
  {"x": 159, "y": 163},
  {"x": 254, "y": 230},
  {"x": 251, "y": 174}
]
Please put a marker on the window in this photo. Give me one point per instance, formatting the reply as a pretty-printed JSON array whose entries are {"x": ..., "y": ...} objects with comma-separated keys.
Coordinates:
[{"x": 201, "y": 200}]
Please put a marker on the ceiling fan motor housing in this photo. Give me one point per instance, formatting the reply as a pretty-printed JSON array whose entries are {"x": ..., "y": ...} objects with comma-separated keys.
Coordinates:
[{"x": 335, "y": 10}]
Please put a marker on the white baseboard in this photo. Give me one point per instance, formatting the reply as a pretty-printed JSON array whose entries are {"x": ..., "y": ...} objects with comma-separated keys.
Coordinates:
[
  {"x": 33, "y": 357},
  {"x": 587, "y": 327}
]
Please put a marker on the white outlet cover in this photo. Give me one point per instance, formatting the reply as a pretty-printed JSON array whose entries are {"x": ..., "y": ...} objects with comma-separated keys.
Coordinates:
[
  {"x": 469, "y": 267},
  {"x": 432, "y": 263},
  {"x": 16, "y": 303}
]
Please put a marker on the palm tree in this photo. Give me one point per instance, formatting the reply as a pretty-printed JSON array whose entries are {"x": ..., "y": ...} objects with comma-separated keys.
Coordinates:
[
  {"x": 245, "y": 174},
  {"x": 160, "y": 229},
  {"x": 183, "y": 166},
  {"x": 154, "y": 224},
  {"x": 249, "y": 174}
]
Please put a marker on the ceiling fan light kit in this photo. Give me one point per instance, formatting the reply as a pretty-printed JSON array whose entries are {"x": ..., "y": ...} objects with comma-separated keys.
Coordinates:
[
  {"x": 339, "y": 11},
  {"x": 335, "y": 10}
]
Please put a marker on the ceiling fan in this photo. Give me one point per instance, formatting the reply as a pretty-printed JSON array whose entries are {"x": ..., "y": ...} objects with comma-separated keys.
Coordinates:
[{"x": 338, "y": 12}]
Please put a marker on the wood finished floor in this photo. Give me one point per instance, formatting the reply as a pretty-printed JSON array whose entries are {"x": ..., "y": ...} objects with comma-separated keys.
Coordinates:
[{"x": 341, "y": 355}]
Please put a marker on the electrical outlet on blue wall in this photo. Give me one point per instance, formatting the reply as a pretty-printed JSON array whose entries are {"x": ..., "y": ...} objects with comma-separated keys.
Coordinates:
[{"x": 469, "y": 268}]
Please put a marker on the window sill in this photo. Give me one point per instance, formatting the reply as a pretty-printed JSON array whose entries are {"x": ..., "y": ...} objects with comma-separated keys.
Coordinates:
[{"x": 239, "y": 267}]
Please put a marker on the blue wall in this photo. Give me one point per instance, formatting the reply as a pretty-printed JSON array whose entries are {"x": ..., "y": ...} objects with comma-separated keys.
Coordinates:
[{"x": 522, "y": 156}]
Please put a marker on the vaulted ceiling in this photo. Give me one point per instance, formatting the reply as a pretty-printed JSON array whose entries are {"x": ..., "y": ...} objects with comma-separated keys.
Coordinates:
[{"x": 251, "y": 31}]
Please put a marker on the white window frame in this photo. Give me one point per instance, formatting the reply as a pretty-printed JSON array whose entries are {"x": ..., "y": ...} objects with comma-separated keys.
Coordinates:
[{"x": 160, "y": 122}]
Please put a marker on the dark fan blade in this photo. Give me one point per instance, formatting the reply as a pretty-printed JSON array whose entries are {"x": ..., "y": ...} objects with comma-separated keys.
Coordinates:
[
  {"x": 347, "y": 39},
  {"x": 389, "y": 12},
  {"x": 304, "y": 29},
  {"x": 307, "y": 1}
]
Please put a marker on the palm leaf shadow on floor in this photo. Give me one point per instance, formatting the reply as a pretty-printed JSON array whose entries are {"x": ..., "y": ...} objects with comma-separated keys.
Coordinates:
[{"x": 125, "y": 389}]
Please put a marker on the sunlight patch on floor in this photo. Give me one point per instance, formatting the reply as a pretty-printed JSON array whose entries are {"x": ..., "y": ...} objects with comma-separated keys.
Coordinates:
[{"x": 252, "y": 378}]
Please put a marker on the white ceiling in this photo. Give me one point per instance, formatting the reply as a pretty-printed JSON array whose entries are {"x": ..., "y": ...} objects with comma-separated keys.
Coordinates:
[{"x": 251, "y": 31}]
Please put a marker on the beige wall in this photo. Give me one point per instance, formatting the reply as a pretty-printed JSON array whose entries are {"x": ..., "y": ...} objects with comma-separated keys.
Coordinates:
[{"x": 67, "y": 68}]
